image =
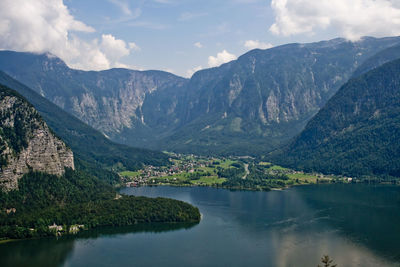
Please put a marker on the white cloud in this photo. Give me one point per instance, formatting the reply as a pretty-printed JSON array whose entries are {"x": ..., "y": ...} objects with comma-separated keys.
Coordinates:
[
  {"x": 124, "y": 6},
  {"x": 221, "y": 58},
  {"x": 198, "y": 45},
  {"x": 134, "y": 46},
  {"x": 168, "y": 70},
  {"x": 350, "y": 19},
  {"x": 81, "y": 55},
  {"x": 47, "y": 26},
  {"x": 113, "y": 48},
  {"x": 127, "y": 66},
  {"x": 191, "y": 71},
  {"x": 253, "y": 44}
]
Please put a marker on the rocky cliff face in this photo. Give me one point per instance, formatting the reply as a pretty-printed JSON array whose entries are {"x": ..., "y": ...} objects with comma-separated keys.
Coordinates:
[{"x": 26, "y": 142}]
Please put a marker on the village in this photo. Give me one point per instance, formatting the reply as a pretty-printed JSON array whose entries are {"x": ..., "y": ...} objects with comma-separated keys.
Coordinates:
[
  {"x": 193, "y": 170},
  {"x": 182, "y": 165}
]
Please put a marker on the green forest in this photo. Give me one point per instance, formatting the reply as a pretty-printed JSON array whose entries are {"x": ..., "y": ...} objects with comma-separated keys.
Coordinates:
[{"x": 78, "y": 198}]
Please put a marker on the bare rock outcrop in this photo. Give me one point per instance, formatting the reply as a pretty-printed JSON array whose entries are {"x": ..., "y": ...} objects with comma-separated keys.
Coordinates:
[{"x": 27, "y": 143}]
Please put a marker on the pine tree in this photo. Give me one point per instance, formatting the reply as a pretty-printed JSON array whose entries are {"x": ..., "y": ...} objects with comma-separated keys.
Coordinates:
[{"x": 326, "y": 261}]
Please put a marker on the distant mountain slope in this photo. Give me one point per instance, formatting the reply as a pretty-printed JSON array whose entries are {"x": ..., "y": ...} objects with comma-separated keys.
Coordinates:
[
  {"x": 26, "y": 142},
  {"x": 379, "y": 59},
  {"x": 247, "y": 106},
  {"x": 107, "y": 100},
  {"x": 358, "y": 130},
  {"x": 263, "y": 98},
  {"x": 88, "y": 144}
]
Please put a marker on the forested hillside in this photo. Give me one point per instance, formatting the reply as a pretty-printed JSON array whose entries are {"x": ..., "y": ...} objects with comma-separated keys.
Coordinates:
[
  {"x": 357, "y": 133},
  {"x": 78, "y": 198}
]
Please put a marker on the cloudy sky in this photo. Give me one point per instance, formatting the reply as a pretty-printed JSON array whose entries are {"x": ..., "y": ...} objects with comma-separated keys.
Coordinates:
[{"x": 182, "y": 36}]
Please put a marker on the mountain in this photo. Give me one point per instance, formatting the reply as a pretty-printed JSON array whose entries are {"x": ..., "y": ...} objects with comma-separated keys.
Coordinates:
[
  {"x": 357, "y": 132},
  {"x": 247, "y": 106},
  {"x": 379, "y": 59},
  {"x": 90, "y": 146},
  {"x": 266, "y": 96},
  {"x": 40, "y": 193},
  {"x": 26, "y": 142},
  {"x": 107, "y": 100}
]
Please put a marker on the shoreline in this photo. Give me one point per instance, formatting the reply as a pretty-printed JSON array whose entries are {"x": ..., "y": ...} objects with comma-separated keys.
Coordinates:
[
  {"x": 217, "y": 187},
  {"x": 253, "y": 189},
  {"x": 97, "y": 228},
  {"x": 4, "y": 241}
]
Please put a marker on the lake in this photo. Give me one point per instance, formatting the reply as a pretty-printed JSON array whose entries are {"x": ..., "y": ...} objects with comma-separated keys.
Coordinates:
[{"x": 356, "y": 225}]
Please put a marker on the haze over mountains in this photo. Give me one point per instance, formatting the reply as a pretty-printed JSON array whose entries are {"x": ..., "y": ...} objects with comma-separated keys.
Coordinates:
[{"x": 248, "y": 106}]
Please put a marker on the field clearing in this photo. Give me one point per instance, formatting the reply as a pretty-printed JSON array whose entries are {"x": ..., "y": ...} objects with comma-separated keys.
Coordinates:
[
  {"x": 303, "y": 177},
  {"x": 179, "y": 177},
  {"x": 209, "y": 180},
  {"x": 207, "y": 169},
  {"x": 130, "y": 174},
  {"x": 226, "y": 163},
  {"x": 278, "y": 168}
]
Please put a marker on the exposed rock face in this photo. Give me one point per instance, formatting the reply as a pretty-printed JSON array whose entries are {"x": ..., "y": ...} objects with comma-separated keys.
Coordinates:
[{"x": 27, "y": 143}]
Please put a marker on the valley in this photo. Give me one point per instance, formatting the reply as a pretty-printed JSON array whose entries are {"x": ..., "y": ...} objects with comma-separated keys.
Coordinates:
[
  {"x": 305, "y": 114},
  {"x": 240, "y": 173},
  {"x": 326, "y": 119},
  {"x": 205, "y": 133}
]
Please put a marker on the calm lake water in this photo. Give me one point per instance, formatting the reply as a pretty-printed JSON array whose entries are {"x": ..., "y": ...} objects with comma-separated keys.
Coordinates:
[{"x": 356, "y": 225}]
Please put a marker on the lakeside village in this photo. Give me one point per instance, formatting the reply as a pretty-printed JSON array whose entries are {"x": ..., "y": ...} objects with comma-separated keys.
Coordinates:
[
  {"x": 192, "y": 170},
  {"x": 182, "y": 165}
]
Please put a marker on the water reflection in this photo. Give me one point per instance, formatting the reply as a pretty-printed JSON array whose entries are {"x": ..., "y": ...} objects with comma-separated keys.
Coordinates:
[
  {"x": 43, "y": 252},
  {"x": 364, "y": 214},
  {"x": 55, "y": 252},
  {"x": 356, "y": 225},
  {"x": 139, "y": 228}
]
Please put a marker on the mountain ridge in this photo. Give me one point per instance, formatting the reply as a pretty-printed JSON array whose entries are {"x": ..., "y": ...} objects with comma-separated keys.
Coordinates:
[{"x": 265, "y": 97}]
